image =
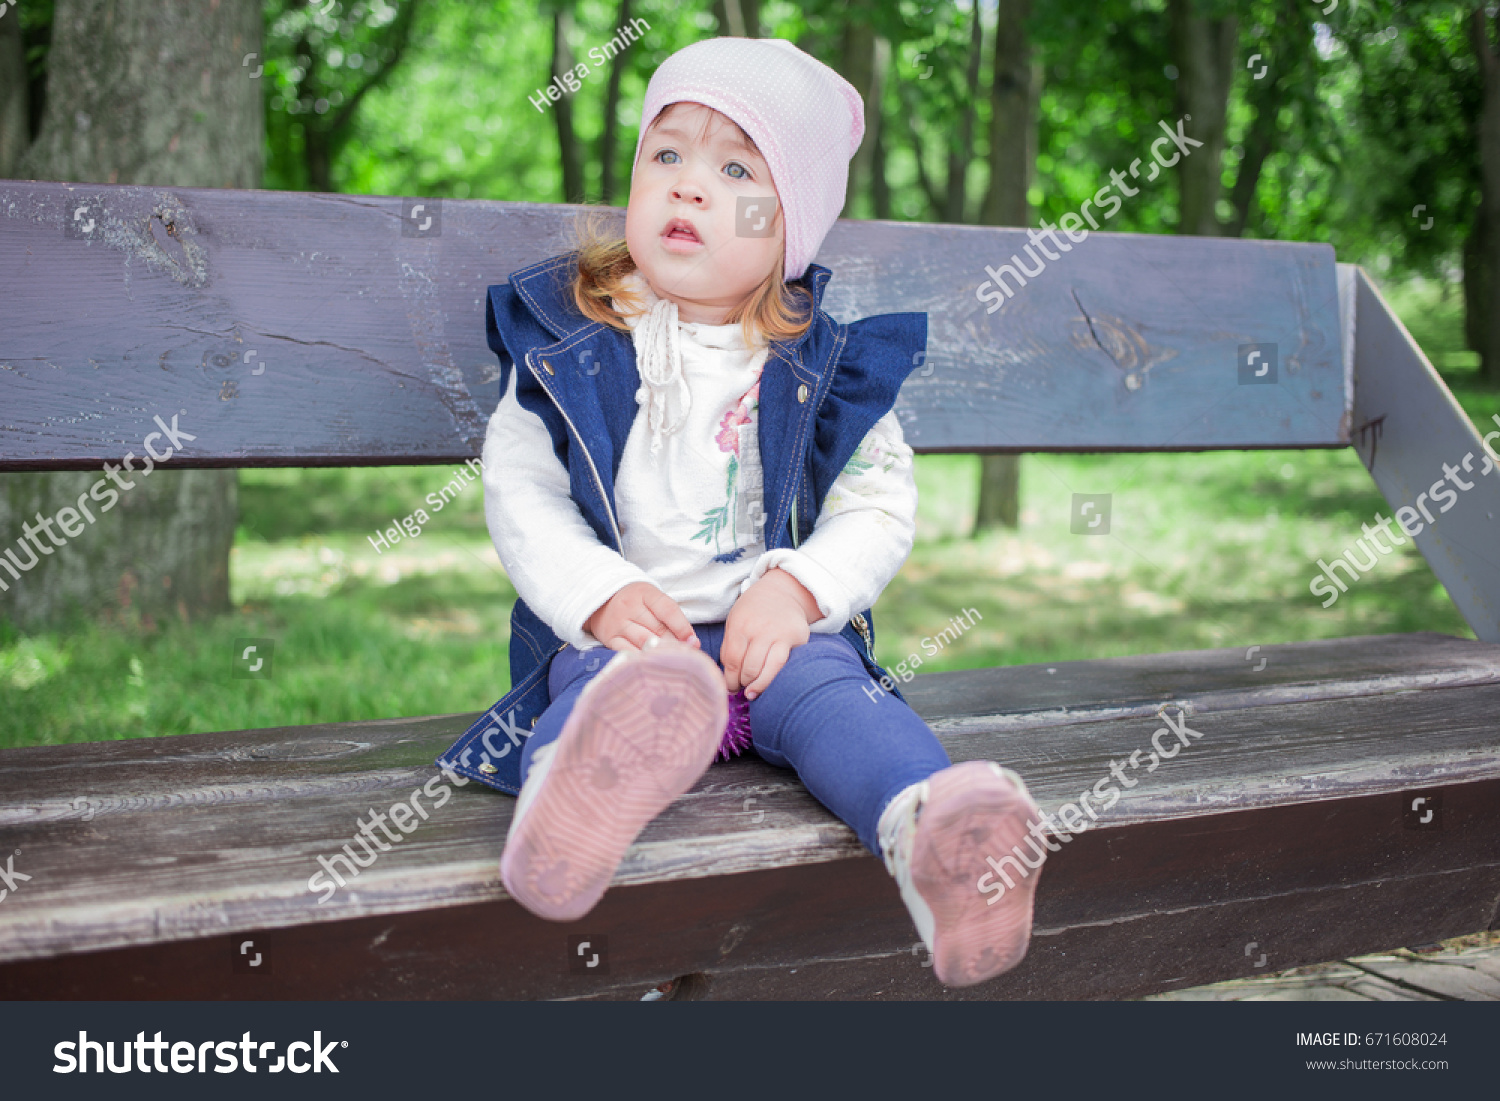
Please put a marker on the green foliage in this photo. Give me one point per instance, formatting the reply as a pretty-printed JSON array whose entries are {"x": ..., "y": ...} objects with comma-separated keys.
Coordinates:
[
  {"x": 319, "y": 66},
  {"x": 1360, "y": 123},
  {"x": 1433, "y": 312},
  {"x": 1414, "y": 108},
  {"x": 288, "y": 503},
  {"x": 458, "y": 117},
  {"x": 1106, "y": 84}
]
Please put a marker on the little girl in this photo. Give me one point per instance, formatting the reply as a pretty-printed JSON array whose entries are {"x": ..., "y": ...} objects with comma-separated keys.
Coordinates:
[{"x": 696, "y": 481}]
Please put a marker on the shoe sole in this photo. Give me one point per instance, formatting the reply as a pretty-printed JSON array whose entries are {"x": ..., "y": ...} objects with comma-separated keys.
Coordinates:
[
  {"x": 972, "y": 813},
  {"x": 641, "y": 733}
]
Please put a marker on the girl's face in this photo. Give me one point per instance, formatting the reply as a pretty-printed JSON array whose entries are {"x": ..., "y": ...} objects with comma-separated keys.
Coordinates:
[{"x": 722, "y": 190}]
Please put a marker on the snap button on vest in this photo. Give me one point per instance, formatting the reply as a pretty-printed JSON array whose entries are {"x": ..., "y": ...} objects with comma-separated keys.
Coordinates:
[
  {"x": 547, "y": 365},
  {"x": 802, "y": 392}
]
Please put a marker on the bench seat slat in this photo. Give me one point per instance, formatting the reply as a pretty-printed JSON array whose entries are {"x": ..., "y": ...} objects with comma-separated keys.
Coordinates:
[
  {"x": 48, "y": 782},
  {"x": 196, "y": 846},
  {"x": 1124, "y": 912}
]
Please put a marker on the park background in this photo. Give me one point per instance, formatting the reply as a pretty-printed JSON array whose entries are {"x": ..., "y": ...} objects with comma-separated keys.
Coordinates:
[{"x": 1357, "y": 125}]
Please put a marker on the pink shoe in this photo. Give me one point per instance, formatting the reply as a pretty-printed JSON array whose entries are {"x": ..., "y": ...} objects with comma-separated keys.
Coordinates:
[
  {"x": 641, "y": 733},
  {"x": 936, "y": 837}
]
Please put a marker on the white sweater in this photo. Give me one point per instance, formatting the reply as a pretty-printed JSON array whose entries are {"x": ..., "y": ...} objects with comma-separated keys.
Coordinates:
[{"x": 690, "y": 512}]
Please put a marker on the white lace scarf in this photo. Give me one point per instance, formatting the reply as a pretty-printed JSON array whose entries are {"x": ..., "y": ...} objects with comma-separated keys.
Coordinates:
[{"x": 658, "y": 356}]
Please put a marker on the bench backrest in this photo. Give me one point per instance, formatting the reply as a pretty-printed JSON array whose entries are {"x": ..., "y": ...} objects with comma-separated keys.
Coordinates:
[
  {"x": 124, "y": 303},
  {"x": 292, "y": 329}
]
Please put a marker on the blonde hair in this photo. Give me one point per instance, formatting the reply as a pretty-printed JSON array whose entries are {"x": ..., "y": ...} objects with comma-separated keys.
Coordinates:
[{"x": 774, "y": 310}]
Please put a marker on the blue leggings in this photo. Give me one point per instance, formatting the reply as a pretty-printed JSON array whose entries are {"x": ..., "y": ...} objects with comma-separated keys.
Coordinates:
[{"x": 853, "y": 744}]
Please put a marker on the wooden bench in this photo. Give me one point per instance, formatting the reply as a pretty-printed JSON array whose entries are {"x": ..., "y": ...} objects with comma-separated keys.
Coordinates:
[{"x": 1285, "y": 835}]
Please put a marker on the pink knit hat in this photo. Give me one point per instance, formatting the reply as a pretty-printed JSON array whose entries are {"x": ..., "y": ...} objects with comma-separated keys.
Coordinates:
[{"x": 806, "y": 120}]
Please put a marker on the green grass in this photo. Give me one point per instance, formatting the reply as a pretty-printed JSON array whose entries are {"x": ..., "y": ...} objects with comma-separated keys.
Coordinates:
[
  {"x": 1433, "y": 314},
  {"x": 1205, "y": 550},
  {"x": 348, "y": 643}
]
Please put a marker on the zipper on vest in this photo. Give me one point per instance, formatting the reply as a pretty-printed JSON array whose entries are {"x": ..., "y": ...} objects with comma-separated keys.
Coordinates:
[
  {"x": 594, "y": 470},
  {"x": 862, "y": 625}
]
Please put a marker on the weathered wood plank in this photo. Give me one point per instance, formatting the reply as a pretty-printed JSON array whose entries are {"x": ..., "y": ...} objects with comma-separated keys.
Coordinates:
[
  {"x": 1122, "y": 911},
  {"x": 1413, "y": 438},
  {"x": 1137, "y": 685},
  {"x": 368, "y": 333},
  {"x": 57, "y": 783},
  {"x": 201, "y": 834}
]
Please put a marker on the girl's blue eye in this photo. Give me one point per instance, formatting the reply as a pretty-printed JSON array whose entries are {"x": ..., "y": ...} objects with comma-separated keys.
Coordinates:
[{"x": 744, "y": 172}]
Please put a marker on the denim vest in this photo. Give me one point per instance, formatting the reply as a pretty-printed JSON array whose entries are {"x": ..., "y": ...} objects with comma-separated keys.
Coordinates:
[{"x": 819, "y": 396}]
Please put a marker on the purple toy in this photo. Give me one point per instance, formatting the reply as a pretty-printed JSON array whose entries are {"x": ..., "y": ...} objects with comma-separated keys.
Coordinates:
[{"x": 737, "y": 730}]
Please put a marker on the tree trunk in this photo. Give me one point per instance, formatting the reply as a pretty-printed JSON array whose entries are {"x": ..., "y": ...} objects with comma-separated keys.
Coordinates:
[
  {"x": 880, "y": 185},
  {"x": 1203, "y": 49},
  {"x": 15, "y": 133},
  {"x": 609, "y": 140},
  {"x": 1014, "y": 89},
  {"x": 738, "y": 18},
  {"x": 862, "y": 68},
  {"x": 1475, "y": 288},
  {"x": 567, "y": 138},
  {"x": 1258, "y": 144},
  {"x": 1013, "y": 133},
  {"x": 909, "y": 111},
  {"x": 1293, "y": 75},
  {"x": 1483, "y": 331},
  {"x": 961, "y": 152},
  {"x": 151, "y": 93},
  {"x": 325, "y": 132}
]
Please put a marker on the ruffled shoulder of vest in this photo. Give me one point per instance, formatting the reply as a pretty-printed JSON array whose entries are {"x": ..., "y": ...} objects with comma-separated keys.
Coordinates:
[{"x": 878, "y": 354}]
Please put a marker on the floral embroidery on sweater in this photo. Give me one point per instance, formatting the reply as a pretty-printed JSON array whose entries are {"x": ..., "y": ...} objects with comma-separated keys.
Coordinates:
[
  {"x": 870, "y": 454},
  {"x": 716, "y": 520}
]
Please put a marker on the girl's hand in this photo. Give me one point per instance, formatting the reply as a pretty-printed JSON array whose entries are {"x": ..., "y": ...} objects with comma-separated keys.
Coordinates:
[
  {"x": 767, "y": 621},
  {"x": 635, "y": 615}
]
